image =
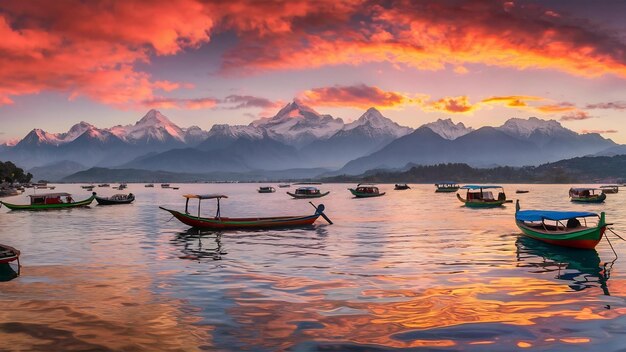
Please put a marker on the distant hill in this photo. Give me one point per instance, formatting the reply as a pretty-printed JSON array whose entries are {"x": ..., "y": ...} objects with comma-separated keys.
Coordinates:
[
  {"x": 576, "y": 170},
  {"x": 56, "y": 171}
]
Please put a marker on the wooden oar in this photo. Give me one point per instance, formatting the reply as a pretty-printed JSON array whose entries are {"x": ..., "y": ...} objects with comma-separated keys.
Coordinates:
[{"x": 320, "y": 210}]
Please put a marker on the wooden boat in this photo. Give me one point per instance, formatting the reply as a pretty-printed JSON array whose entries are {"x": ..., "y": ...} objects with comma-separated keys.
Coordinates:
[
  {"x": 266, "y": 189},
  {"x": 50, "y": 201},
  {"x": 175, "y": 188},
  {"x": 307, "y": 192},
  {"x": 89, "y": 187},
  {"x": 521, "y": 191},
  {"x": 610, "y": 189},
  {"x": 587, "y": 195},
  {"x": 480, "y": 196},
  {"x": 8, "y": 254},
  {"x": 366, "y": 191},
  {"x": 446, "y": 187},
  {"x": 116, "y": 199},
  {"x": 401, "y": 186},
  {"x": 104, "y": 185},
  {"x": 165, "y": 185},
  {"x": 563, "y": 227},
  {"x": 149, "y": 185},
  {"x": 218, "y": 222},
  {"x": 284, "y": 185}
]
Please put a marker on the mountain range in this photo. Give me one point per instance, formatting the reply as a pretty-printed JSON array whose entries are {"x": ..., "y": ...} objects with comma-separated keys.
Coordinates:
[{"x": 298, "y": 137}]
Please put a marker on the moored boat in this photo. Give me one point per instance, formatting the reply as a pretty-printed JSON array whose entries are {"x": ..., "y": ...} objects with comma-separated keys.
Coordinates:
[
  {"x": 481, "y": 196},
  {"x": 104, "y": 185},
  {"x": 149, "y": 185},
  {"x": 563, "y": 228},
  {"x": 165, "y": 185},
  {"x": 50, "y": 201},
  {"x": 266, "y": 189},
  {"x": 308, "y": 192},
  {"x": 401, "y": 186},
  {"x": 116, "y": 199},
  {"x": 446, "y": 187},
  {"x": 88, "y": 187},
  {"x": 284, "y": 185},
  {"x": 218, "y": 222},
  {"x": 521, "y": 191},
  {"x": 8, "y": 254},
  {"x": 586, "y": 195},
  {"x": 366, "y": 191},
  {"x": 610, "y": 189}
]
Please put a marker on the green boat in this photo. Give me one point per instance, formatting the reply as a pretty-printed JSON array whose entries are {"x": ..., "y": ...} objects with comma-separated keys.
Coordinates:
[
  {"x": 366, "y": 191},
  {"x": 446, "y": 187},
  {"x": 587, "y": 195},
  {"x": 50, "y": 201},
  {"x": 480, "y": 196},
  {"x": 561, "y": 228}
]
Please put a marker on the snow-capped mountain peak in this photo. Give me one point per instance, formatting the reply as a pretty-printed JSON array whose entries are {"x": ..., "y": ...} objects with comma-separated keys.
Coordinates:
[
  {"x": 38, "y": 137},
  {"x": 525, "y": 127},
  {"x": 448, "y": 129},
  {"x": 379, "y": 124},
  {"x": 75, "y": 131},
  {"x": 153, "y": 127},
  {"x": 236, "y": 131}
]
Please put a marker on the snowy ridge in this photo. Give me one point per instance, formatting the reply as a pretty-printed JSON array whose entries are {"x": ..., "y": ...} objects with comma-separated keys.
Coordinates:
[
  {"x": 448, "y": 129},
  {"x": 154, "y": 126},
  {"x": 377, "y": 124},
  {"x": 236, "y": 131},
  {"x": 524, "y": 128}
]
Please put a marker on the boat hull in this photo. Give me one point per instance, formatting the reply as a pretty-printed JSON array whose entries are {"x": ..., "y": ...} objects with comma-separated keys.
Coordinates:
[
  {"x": 365, "y": 195},
  {"x": 481, "y": 204},
  {"x": 82, "y": 203},
  {"x": 106, "y": 201},
  {"x": 599, "y": 199},
  {"x": 306, "y": 196},
  {"x": 243, "y": 223},
  {"x": 446, "y": 190},
  {"x": 8, "y": 254},
  {"x": 583, "y": 239}
]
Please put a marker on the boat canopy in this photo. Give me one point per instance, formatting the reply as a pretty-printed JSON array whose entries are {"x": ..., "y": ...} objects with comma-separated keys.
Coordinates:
[
  {"x": 610, "y": 186},
  {"x": 472, "y": 187},
  {"x": 50, "y": 195},
  {"x": 446, "y": 183},
  {"x": 308, "y": 189},
  {"x": 540, "y": 215},
  {"x": 205, "y": 196},
  {"x": 580, "y": 189}
]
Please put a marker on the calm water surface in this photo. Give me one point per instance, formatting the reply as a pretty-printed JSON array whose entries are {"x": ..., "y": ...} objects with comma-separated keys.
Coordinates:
[{"x": 409, "y": 270}]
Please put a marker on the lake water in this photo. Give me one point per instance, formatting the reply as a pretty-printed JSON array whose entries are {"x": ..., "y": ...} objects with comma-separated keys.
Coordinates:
[{"x": 409, "y": 270}]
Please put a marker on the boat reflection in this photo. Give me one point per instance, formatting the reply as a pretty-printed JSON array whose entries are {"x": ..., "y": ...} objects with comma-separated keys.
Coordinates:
[
  {"x": 197, "y": 244},
  {"x": 582, "y": 268},
  {"x": 8, "y": 272}
]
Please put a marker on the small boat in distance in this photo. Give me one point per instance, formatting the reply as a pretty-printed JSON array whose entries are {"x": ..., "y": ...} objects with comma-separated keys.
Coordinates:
[
  {"x": 307, "y": 192},
  {"x": 284, "y": 185},
  {"x": 116, "y": 199},
  {"x": 50, "y": 201},
  {"x": 563, "y": 228},
  {"x": 586, "y": 195},
  {"x": 521, "y": 191},
  {"x": 401, "y": 186},
  {"x": 610, "y": 189},
  {"x": 364, "y": 190},
  {"x": 481, "y": 196},
  {"x": 175, "y": 188},
  {"x": 149, "y": 185},
  {"x": 104, "y": 185},
  {"x": 446, "y": 187},
  {"x": 223, "y": 223},
  {"x": 165, "y": 185},
  {"x": 88, "y": 187},
  {"x": 266, "y": 189}
]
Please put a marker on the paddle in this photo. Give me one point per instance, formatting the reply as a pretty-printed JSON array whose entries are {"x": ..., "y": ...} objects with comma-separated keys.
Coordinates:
[{"x": 320, "y": 210}]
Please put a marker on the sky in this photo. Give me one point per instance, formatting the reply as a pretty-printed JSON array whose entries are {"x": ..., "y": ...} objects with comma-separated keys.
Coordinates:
[{"x": 212, "y": 62}]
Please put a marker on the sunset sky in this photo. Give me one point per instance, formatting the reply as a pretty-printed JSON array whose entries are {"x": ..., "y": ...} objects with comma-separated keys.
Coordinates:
[{"x": 206, "y": 62}]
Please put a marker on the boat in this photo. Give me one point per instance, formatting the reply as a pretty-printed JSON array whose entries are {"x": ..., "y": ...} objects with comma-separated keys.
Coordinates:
[
  {"x": 175, "y": 188},
  {"x": 224, "y": 223},
  {"x": 51, "y": 187},
  {"x": 401, "y": 186},
  {"x": 521, "y": 191},
  {"x": 365, "y": 190},
  {"x": 149, "y": 185},
  {"x": 89, "y": 187},
  {"x": 610, "y": 189},
  {"x": 307, "y": 192},
  {"x": 284, "y": 185},
  {"x": 266, "y": 189},
  {"x": 104, "y": 185},
  {"x": 563, "y": 228},
  {"x": 446, "y": 187},
  {"x": 50, "y": 201},
  {"x": 587, "y": 195},
  {"x": 8, "y": 254},
  {"x": 116, "y": 199},
  {"x": 481, "y": 196},
  {"x": 165, "y": 185},
  {"x": 41, "y": 187}
]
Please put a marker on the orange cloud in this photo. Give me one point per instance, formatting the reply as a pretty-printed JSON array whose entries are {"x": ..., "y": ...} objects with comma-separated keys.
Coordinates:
[
  {"x": 556, "y": 108},
  {"x": 360, "y": 96},
  {"x": 513, "y": 101},
  {"x": 576, "y": 115},
  {"x": 452, "y": 105},
  {"x": 176, "y": 103}
]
